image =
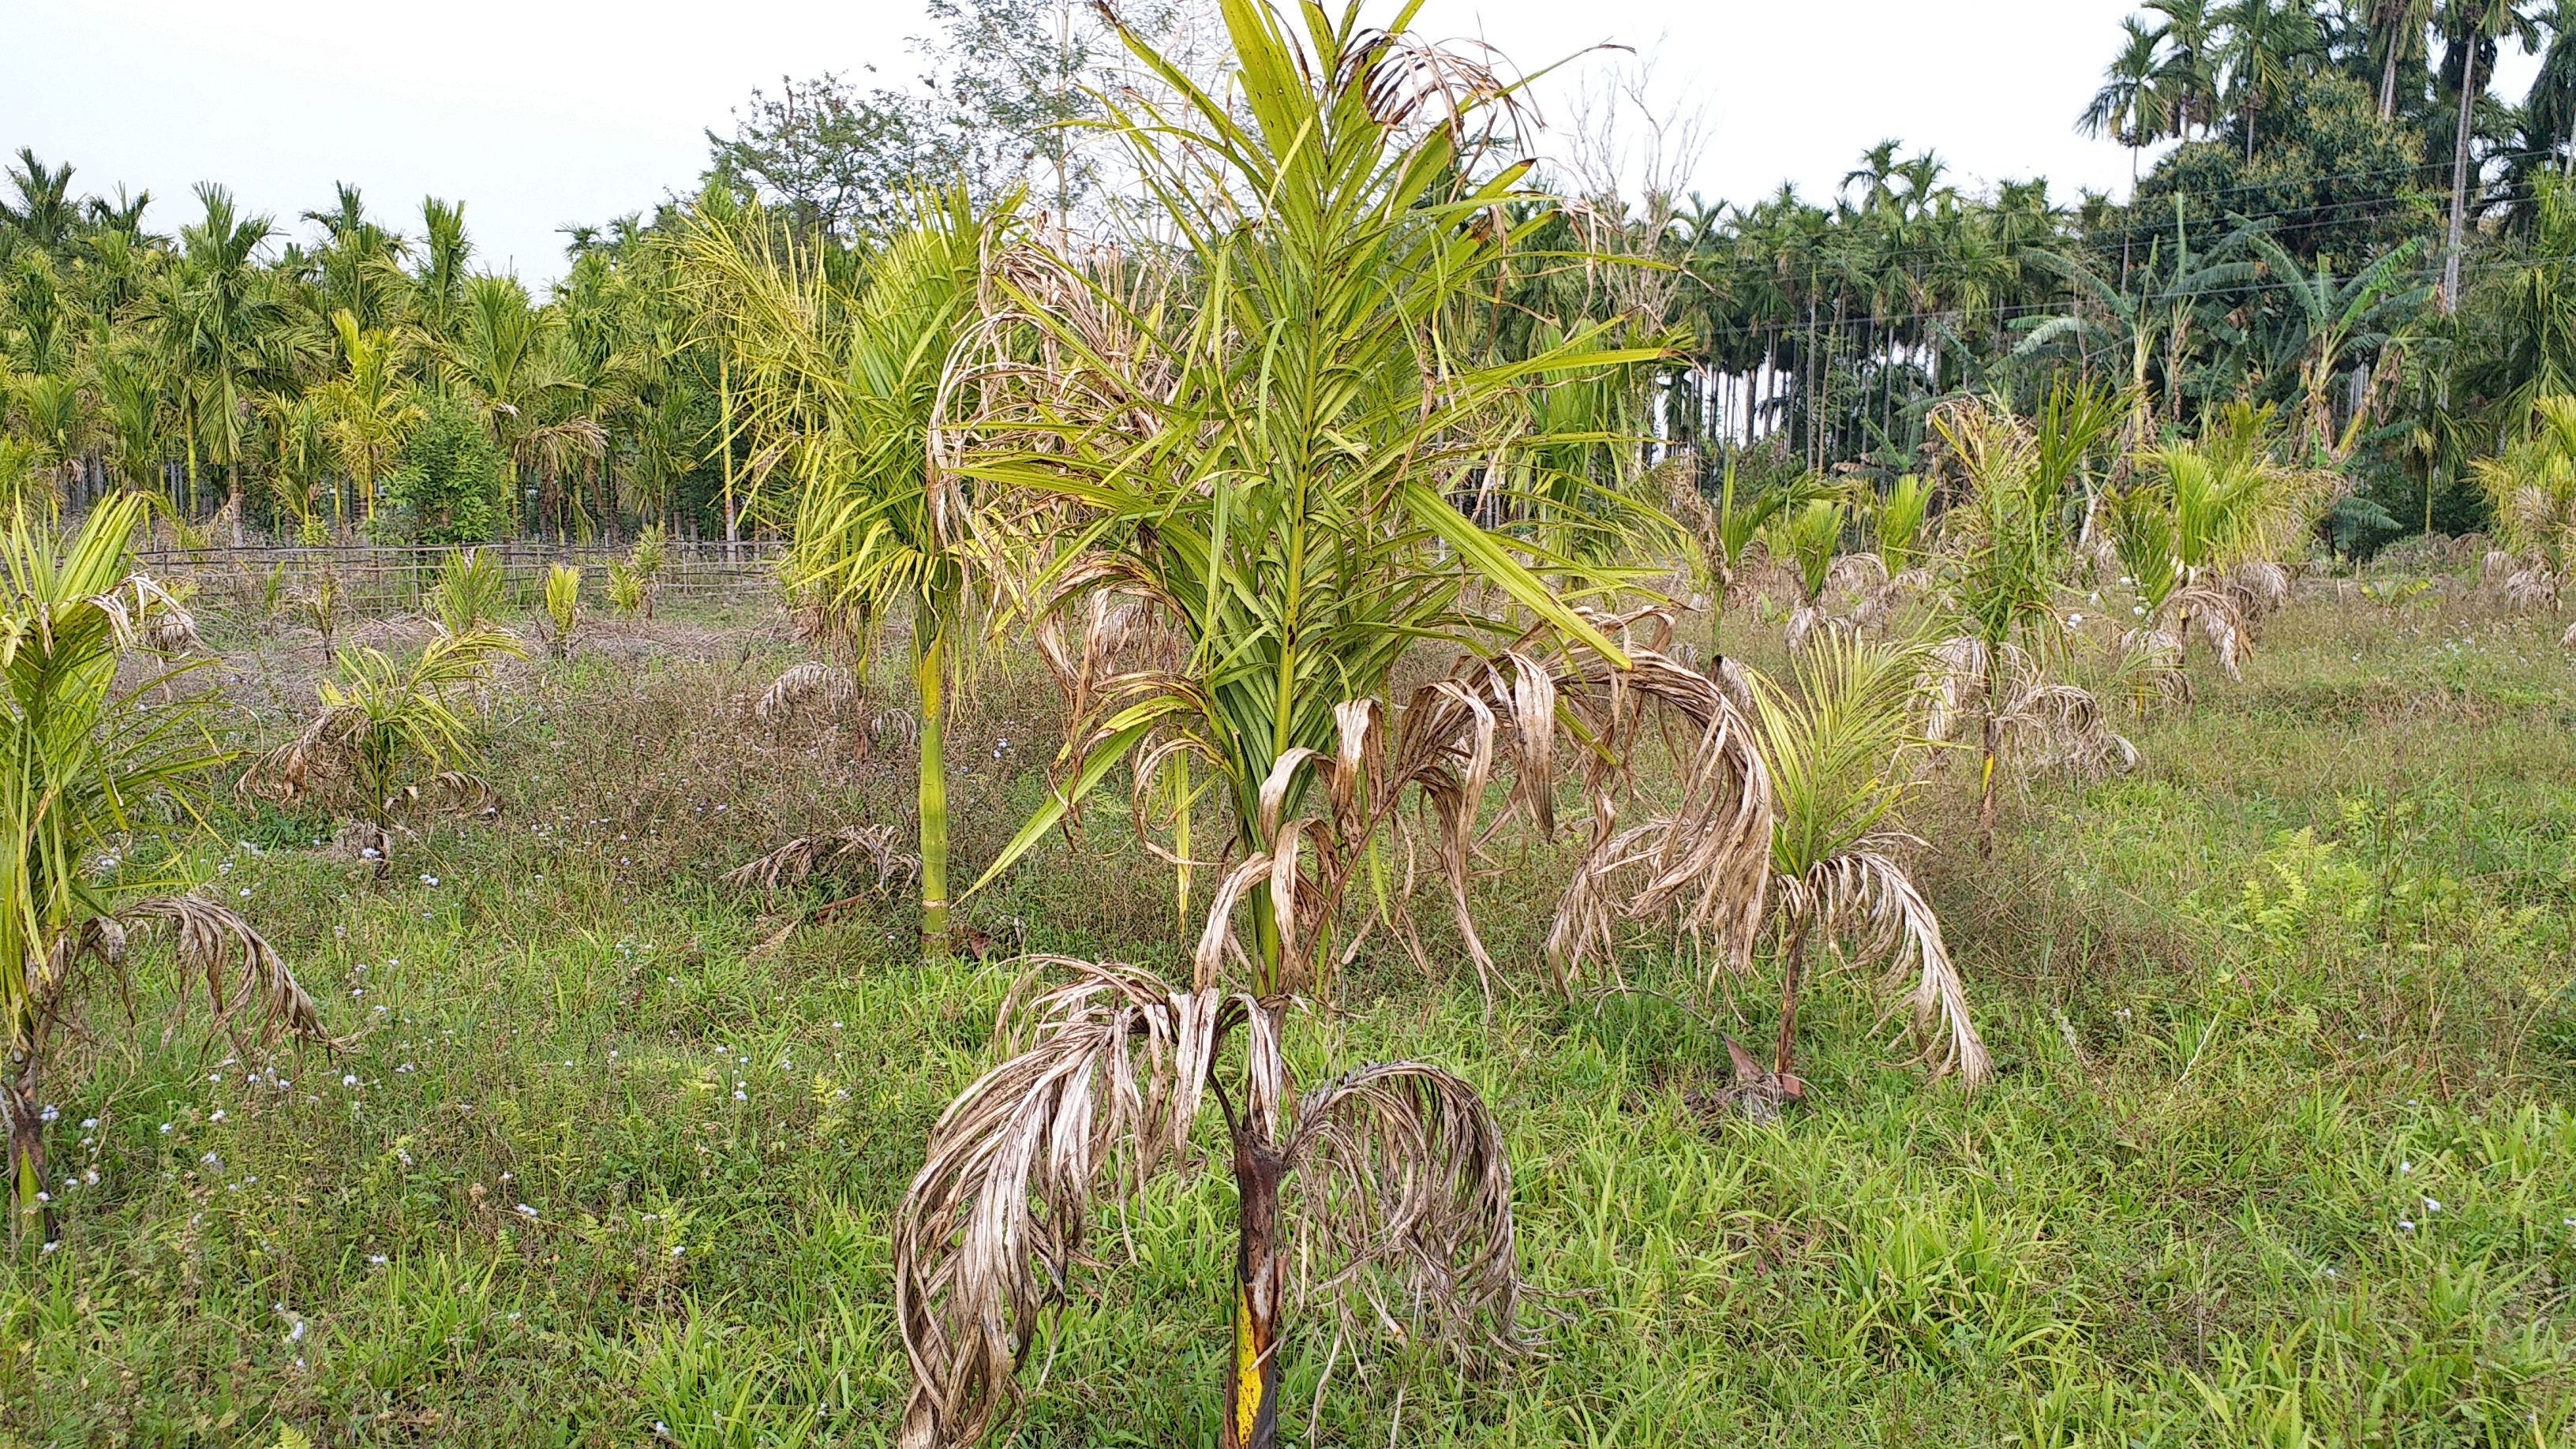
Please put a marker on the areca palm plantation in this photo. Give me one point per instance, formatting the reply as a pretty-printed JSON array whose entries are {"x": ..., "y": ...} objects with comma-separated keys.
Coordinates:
[
  {"x": 227, "y": 333},
  {"x": 83, "y": 766},
  {"x": 847, "y": 385},
  {"x": 1261, "y": 448}
]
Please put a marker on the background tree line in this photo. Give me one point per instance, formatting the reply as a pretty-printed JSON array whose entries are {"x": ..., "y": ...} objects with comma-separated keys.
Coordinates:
[{"x": 2353, "y": 226}]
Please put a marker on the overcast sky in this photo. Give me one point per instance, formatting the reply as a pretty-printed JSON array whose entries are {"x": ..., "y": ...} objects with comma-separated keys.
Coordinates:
[{"x": 540, "y": 113}]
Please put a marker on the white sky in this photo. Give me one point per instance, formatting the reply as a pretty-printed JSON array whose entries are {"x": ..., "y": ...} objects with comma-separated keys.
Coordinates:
[{"x": 543, "y": 112}]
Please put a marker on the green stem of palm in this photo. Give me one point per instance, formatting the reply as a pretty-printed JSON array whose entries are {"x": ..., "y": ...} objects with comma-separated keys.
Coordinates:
[{"x": 931, "y": 647}]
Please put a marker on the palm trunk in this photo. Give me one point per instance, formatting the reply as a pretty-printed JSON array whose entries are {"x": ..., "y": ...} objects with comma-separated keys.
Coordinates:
[
  {"x": 1781, "y": 1058},
  {"x": 2388, "y": 85},
  {"x": 26, "y": 1131},
  {"x": 930, "y": 673},
  {"x": 1986, "y": 805},
  {"x": 2460, "y": 180},
  {"x": 1260, "y": 1292}
]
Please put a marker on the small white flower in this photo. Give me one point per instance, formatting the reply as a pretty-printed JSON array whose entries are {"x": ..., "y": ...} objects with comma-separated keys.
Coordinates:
[
  {"x": 376, "y": 1258},
  {"x": 357, "y": 991},
  {"x": 90, "y": 1178},
  {"x": 2405, "y": 1167},
  {"x": 296, "y": 1334},
  {"x": 44, "y": 1197},
  {"x": 404, "y": 1069},
  {"x": 741, "y": 1096},
  {"x": 245, "y": 892},
  {"x": 49, "y": 1247},
  {"x": 165, "y": 1129},
  {"x": 2432, "y": 1205},
  {"x": 676, "y": 1252},
  {"x": 369, "y": 852},
  {"x": 211, "y": 1160},
  {"x": 2405, "y": 1225},
  {"x": 349, "y": 1080},
  {"x": 527, "y": 1212},
  {"x": 50, "y": 1114},
  {"x": 89, "y": 1124},
  {"x": 218, "y": 1117}
]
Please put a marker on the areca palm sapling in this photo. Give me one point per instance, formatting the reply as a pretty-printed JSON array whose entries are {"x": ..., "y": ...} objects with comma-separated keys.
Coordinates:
[
  {"x": 1720, "y": 530},
  {"x": 79, "y": 759},
  {"x": 562, "y": 609},
  {"x": 2194, "y": 532},
  {"x": 391, "y": 739},
  {"x": 845, "y": 383},
  {"x": 1808, "y": 540},
  {"x": 469, "y": 592},
  {"x": 2008, "y": 550},
  {"x": 319, "y": 603},
  {"x": 1261, "y": 446},
  {"x": 2531, "y": 491},
  {"x": 1843, "y": 749}
]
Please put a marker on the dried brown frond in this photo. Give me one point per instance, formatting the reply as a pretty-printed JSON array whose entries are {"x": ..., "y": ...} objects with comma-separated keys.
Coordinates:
[
  {"x": 2531, "y": 590},
  {"x": 1404, "y": 1177},
  {"x": 210, "y": 937},
  {"x": 2257, "y": 588},
  {"x": 790, "y": 864},
  {"x": 1707, "y": 861},
  {"x": 1856, "y": 575},
  {"x": 1107, "y": 1077},
  {"x": 1953, "y": 686},
  {"x": 2217, "y": 618},
  {"x": 322, "y": 756},
  {"x": 812, "y": 690},
  {"x": 1408, "y": 1210},
  {"x": 895, "y": 726},
  {"x": 2147, "y": 664},
  {"x": 449, "y": 792},
  {"x": 1805, "y": 623},
  {"x": 1865, "y": 901},
  {"x": 2568, "y": 639},
  {"x": 2049, "y": 726},
  {"x": 161, "y": 624}
]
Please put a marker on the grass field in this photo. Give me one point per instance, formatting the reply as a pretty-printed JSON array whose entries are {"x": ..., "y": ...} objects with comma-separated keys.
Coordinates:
[{"x": 2278, "y": 1152}]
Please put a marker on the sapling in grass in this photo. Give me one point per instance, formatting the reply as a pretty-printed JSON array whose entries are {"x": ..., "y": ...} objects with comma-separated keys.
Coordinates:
[
  {"x": 393, "y": 738},
  {"x": 1269, "y": 471},
  {"x": 89, "y": 769}
]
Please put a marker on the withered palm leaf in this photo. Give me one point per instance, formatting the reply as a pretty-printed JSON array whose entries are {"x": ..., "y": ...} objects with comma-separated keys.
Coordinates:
[{"x": 1395, "y": 1175}]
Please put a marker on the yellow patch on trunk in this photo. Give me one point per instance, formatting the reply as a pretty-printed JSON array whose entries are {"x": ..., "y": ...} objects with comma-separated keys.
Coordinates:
[{"x": 1247, "y": 1369}]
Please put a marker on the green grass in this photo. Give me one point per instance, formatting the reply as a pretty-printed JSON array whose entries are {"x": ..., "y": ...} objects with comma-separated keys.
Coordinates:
[{"x": 2252, "y": 1007}]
